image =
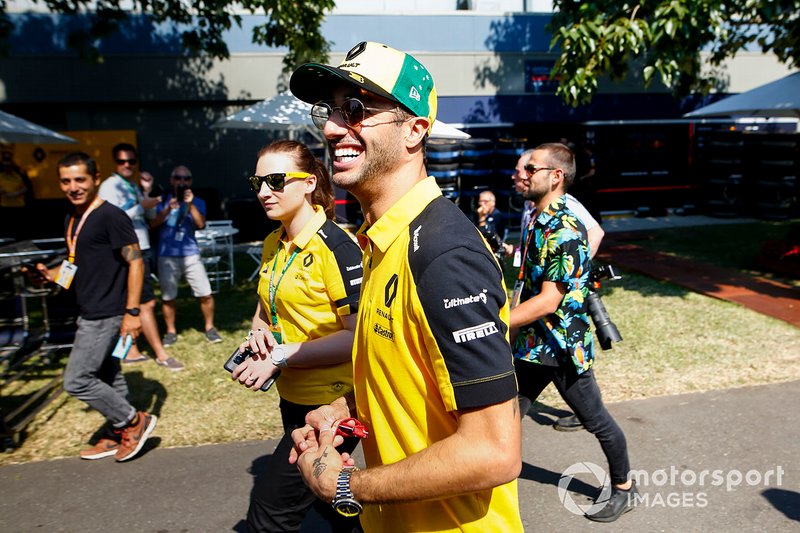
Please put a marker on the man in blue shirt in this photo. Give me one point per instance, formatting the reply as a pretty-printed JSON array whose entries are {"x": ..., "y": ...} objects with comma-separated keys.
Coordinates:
[
  {"x": 555, "y": 343},
  {"x": 180, "y": 215}
]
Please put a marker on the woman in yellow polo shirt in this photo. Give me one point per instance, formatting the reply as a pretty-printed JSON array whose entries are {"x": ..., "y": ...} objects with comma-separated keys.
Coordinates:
[{"x": 304, "y": 322}]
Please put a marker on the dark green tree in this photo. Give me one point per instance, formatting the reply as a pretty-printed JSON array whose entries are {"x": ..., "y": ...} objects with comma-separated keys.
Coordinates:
[
  {"x": 294, "y": 24},
  {"x": 665, "y": 37}
]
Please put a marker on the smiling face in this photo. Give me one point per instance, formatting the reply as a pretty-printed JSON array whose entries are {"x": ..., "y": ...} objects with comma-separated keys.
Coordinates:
[
  {"x": 78, "y": 185},
  {"x": 283, "y": 204},
  {"x": 364, "y": 152}
]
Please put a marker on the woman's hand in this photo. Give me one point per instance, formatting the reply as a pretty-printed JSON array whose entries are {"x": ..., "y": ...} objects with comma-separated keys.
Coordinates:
[
  {"x": 259, "y": 341},
  {"x": 254, "y": 371}
]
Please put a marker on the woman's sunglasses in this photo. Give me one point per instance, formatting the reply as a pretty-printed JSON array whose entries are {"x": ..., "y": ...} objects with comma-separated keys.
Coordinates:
[
  {"x": 353, "y": 112},
  {"x": 275, "y": 181}
]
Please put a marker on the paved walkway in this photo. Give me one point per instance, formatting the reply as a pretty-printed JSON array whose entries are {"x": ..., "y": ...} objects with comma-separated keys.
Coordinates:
[{"x": 749, "y": 431}]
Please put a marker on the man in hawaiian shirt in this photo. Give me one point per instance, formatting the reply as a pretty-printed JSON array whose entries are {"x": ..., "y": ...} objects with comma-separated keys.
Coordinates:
[{"x": 555, "y": 344}]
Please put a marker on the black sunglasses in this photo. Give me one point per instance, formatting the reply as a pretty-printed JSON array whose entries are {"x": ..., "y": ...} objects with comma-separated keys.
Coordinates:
[
  {"x": 181, "y": 177},
  {"x": 275, "y": 181},
  {"x": 353, "y": 112},
  {"x": 531, "y": 170},
  {"x": 123, "y": 161}
]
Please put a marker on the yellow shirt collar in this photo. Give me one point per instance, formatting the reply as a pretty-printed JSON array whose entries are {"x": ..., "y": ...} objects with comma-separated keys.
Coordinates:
[
  {"x": 397, "y": 219},
  {"x": 310, "y": 229}
]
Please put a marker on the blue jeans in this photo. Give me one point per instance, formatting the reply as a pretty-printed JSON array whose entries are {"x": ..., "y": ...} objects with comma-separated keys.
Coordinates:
[
  {"x": 583, "y": 396},
  {"x": 94, "y": 376}
]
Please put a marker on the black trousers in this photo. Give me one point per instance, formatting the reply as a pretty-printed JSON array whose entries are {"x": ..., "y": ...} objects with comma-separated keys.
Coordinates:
[
  {"x": 280, "y": 499},
  {"x": 583, "y": 396}
]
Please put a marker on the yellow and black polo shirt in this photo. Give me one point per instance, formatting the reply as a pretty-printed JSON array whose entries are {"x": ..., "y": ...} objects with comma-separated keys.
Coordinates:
[
  {"x": 432, "y": 338},
  {"x": 322, "y": 284}
]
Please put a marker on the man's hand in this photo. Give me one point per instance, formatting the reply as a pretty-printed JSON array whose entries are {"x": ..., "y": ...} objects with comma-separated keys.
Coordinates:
[
  {"x": 320, "y": 466},
  {"x": 173, "y": 203},
  {"x": 318, "y": 421},
  {"x": 131, "y": 325},
  {"x": 39, "y": 275},
  {"x": 149, "y": 203},
  {"x": 146, "y": 181},
  {"x": 188, "y": 196}
]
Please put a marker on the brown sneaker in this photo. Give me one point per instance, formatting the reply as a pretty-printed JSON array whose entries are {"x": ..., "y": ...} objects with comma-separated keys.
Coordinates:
[
  {"x": 135, "y": 435},
  {"x": 105, "y": 447}
]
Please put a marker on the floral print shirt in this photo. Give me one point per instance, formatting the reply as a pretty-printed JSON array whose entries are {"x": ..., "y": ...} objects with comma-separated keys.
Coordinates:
[{"x": 557, "y": 251}]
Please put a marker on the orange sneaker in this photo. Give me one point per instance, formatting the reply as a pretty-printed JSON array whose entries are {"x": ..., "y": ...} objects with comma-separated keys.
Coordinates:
[
  {"x": 105, "y": 447},
  {"x": 135, "y": 435}
]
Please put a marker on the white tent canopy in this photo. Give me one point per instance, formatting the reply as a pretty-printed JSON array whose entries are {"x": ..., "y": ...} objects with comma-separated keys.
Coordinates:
[
  {"x": 284, "y": 112},
  {"x": 17, "y": 130},
  {"x": 780, "y": 98}
]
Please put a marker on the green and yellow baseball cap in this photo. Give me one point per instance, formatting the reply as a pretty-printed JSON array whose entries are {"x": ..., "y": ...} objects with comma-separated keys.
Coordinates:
[{"x": 376, "y": 68}]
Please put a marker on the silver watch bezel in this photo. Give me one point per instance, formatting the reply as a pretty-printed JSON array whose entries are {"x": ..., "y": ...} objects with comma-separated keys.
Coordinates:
[{"x": 279, "y": 361}]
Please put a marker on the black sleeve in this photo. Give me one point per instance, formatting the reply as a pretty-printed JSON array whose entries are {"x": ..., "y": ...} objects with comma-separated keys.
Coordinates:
[
  {"x": 120, "y": 228},
  {"x": 348, "y": 256},
  {"x": 460, "y": 288}
]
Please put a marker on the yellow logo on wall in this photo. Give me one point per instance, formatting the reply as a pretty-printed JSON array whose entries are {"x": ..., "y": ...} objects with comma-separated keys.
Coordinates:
[{"x": 39, "y": 161}]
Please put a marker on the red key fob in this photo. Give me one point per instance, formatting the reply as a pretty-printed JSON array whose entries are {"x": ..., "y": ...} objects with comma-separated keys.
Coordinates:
[{"x": 358, "y": 430}]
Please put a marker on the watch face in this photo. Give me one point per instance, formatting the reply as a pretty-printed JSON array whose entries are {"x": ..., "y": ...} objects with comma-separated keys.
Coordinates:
[
  {"x": 278, "y": 355},
  {"x": 348, "y": 508}
]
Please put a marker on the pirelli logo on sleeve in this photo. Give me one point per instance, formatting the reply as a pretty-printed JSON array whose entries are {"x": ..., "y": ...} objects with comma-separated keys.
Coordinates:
[{"x": 475, "y": 332}]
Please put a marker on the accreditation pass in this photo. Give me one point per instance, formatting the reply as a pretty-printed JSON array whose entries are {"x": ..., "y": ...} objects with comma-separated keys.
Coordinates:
[{"x": 66, "y": 274}]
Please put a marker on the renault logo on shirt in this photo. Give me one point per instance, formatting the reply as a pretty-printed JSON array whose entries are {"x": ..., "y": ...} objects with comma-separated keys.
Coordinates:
[
  {"x": 390, "y": 292},
  {"x": 307, "y": 260}
]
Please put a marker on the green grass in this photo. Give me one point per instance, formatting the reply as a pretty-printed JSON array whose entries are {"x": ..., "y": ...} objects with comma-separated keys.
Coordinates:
[
  {"x": 735, "y": 246},
  {"x": 675, "y": 341}
]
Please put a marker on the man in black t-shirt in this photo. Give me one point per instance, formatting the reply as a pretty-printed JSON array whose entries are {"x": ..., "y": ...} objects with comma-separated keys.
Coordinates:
[{"x": 105, "y": 270}]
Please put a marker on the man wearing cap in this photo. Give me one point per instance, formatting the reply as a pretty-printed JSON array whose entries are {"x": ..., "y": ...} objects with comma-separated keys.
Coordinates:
[{"x": 434, "y": 377}]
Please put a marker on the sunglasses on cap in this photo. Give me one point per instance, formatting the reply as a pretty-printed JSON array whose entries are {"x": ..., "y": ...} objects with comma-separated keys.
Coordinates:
[
  {"x": 531, "y": 170},
  {"x": 275, "y": 181},
  {"x": 353, "y": 112},
  {"x": 123, "y": 161}
]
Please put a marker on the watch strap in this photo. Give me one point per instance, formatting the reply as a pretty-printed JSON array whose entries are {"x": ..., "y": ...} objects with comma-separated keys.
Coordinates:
[{"x": 343, "y": 500}]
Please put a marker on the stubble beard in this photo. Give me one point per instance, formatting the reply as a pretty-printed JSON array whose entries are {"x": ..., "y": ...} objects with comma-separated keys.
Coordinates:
[{"x": 380, "y": 158}]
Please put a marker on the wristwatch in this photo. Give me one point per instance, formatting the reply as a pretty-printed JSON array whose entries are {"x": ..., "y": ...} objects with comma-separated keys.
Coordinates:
[
  {"x": 133, "y": 311},
  {"x": 343, "y": 501},
  {"x": 278, "y": 356}
]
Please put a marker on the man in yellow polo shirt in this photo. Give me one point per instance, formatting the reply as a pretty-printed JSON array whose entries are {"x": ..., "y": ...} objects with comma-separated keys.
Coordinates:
[{"x": 433, "y": 374}]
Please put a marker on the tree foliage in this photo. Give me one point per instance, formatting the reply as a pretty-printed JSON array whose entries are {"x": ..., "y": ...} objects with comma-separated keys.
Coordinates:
[
  {"x": 202, "y": 24},
  {"x": 665, "y": 38}
]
